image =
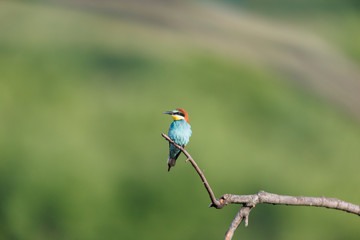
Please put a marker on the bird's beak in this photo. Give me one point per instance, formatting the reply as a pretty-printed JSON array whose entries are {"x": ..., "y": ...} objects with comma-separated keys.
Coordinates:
[{"x": 168, "y": 112}]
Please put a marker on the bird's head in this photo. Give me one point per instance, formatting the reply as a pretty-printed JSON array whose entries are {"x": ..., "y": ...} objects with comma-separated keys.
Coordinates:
[{"x": 178, "y": 114}]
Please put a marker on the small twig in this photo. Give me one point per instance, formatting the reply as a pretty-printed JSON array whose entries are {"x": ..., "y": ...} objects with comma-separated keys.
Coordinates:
[
  {"x": 215, "y": 202},
  {"x": 240, "y": 216}
]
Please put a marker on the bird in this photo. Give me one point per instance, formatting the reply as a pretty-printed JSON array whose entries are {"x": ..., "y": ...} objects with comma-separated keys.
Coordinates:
[{"x": 179, "y": 132}]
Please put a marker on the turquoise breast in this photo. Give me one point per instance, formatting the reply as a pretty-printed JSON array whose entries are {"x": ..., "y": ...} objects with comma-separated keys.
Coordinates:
[{"x": 180, "y": 132}]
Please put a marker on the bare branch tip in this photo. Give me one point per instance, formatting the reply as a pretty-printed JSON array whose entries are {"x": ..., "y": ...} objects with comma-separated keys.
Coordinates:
[{"x": 246, "y": 220}]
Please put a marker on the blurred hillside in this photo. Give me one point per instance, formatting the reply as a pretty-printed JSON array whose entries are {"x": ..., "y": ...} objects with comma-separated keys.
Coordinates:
[
  {"x": 336, "y": 21},
  {"x": 295, "y": 54},
  {"x": 83, "y": 85},
  {"x": 298, "y": 6}
]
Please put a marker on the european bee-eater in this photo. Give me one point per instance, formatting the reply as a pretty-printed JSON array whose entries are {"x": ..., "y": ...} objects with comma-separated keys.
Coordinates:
[{"x": 179, "y": 132}]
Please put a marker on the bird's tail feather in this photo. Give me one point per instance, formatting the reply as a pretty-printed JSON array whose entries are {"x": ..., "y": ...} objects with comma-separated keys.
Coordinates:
[
  {"x": 172, "y": 159},
  {"x": 171, "y": 163}
]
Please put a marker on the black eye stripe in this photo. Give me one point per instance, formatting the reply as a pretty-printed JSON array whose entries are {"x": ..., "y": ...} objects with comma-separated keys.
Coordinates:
[{"x": 180, "y": 114}]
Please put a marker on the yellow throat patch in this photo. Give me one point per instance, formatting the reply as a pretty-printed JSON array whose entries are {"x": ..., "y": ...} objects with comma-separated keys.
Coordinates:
[{"x": 177, "y": 117}]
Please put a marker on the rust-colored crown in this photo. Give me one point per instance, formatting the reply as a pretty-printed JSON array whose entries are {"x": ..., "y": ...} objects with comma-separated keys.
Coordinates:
[{"x": 185, "y": 113}]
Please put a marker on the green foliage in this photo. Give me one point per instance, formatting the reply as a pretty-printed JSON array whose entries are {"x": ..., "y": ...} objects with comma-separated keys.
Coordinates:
[{"x": 81, "y": 97}]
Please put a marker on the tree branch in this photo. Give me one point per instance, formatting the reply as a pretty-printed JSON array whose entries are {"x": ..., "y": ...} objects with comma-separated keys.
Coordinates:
[
  {"x": 250, "y": 201},
  {"x": 275, "y": 199}
]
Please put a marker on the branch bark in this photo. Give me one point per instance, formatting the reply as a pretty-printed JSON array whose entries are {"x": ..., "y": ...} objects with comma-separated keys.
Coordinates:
[{"x": 250, "y": 201}]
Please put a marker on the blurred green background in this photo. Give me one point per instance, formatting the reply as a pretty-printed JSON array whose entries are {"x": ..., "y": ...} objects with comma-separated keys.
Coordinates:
[{"x": 272, "y": 91}]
